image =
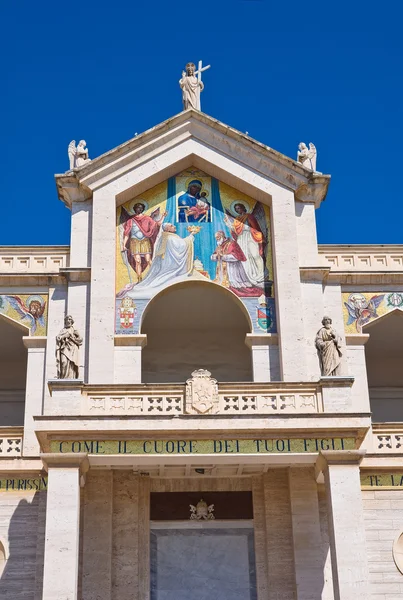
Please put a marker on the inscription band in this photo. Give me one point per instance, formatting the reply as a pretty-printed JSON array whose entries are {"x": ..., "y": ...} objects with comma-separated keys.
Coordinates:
[{"x": 210, "y": 447}]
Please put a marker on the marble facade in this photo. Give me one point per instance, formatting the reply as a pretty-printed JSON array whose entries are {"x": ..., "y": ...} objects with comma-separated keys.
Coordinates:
[{"x": 80, "y": 458}]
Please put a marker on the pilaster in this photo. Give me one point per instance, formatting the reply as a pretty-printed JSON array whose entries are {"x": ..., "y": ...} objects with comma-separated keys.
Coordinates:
[
  {"x": 308, "y": 555},
  {"x": 65, "y": 472},
  {"x": 34, "y": 391},
  {"x": 102, "y": 295},
  {"x": 288, "y": 287},
  {"x": 265, "y": 356},
  {"x": 346, "y": 523},
  {"x": 97, "y": 536},
  {"x": 128, "y": 351}
]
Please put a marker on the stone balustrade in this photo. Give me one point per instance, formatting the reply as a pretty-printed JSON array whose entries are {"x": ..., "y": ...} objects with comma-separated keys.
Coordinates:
[
  {"x": 33, "y": 259},
  {"x": 362, "y": 258},
  {"x": 231, "y": 399},
  {"x": 388, "y": 439},
  {"x": 11, "y": 442}
]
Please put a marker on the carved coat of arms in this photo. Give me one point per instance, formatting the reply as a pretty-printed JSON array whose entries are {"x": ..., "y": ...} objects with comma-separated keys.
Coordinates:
[
  {"x": 202, "y": 511},
  {"x": 201, "y": 393}
]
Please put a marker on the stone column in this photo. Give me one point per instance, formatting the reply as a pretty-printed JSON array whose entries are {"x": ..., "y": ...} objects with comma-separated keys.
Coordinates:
[
  {"x": 346, "y": 523},
  {"x": 34, "y": 391},
  {"x": 60, "y": 577},
  {"x": 308, "y": 555}
]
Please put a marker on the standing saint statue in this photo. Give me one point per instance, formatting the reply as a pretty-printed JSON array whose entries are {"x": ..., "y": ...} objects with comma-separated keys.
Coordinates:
[
  {"x": 191, "y": 87},
  {"x": 68, "y": 343},
  {"x": 328, "y": 345}
]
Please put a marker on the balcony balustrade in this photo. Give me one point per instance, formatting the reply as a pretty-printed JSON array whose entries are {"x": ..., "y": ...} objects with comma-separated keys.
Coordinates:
[
  {"x": 11, "y": 442},
  {"x": 388, "y": 438}
]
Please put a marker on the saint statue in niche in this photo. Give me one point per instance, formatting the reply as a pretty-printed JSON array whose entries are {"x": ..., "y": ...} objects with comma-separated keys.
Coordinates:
[
  {"x": 68, "y": 343},
  {"x": 328, "y": 345}
]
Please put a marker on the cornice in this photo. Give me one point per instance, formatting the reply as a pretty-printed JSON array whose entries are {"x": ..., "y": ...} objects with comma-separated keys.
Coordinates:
[
  {"x": 190, "y": 125},
  {"x": 356, "y": 339},
  {"x": 13, "y": 279},
  {"x": 358, "y": 248},
  {"x": 366, "y": 277},
  {"x": 76, "y": 274}
]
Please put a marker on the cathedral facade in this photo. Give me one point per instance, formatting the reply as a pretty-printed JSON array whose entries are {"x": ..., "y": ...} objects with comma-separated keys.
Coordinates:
[{"x": 196, "y": 399}]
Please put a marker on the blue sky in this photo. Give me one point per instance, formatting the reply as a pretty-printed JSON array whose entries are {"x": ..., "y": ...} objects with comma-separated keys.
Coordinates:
[{"x": 330, "y": 73}]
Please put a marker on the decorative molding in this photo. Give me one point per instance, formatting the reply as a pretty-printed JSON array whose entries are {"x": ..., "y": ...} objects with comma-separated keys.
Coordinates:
[
  {"x": 368, "y": 258},
  {"x": 76, "y": 274},
  {"x": 182, "y": 133},
  {"x": 139, "y": 339},
  {"x": 337, "y": 381},
  {"x": 314, "y": 273},
  {"x": 65, "y": 384},
  {"x": 338, "y": 457},
  {"x": 33, "y": 259},
  {"x": 356, "y": 339},
  {"x": 261, "y": 339},
  {"x": 34, "y": 341}
]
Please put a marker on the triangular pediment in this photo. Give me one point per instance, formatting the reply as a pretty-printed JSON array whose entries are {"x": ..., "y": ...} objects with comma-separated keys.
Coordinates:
[{"x": 192, "y": 138}]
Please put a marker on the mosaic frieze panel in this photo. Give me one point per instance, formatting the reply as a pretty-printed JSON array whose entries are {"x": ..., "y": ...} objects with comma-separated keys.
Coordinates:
[
  {"x": 359, "y": 308},
  {"x": 193, "y": 227},
  {"x": 29, "y": 309}
]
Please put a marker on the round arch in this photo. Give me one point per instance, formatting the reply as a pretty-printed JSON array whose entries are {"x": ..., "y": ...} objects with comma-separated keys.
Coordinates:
[
  {"x": 384, "y": 359},
  {"x": 13, "y": 371},
  {"x": 201, "y": 284},
  {"x": 192, "y": 325}
]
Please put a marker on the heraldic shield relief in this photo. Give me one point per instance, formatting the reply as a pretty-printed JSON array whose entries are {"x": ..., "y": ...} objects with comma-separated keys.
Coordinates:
[{"x": 193, "y": 227}]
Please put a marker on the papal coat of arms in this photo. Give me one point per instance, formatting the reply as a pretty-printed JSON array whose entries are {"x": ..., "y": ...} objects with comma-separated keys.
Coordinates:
[
  {"x": 202, "y": 511},
  {"x": 201, "y": 393},
  {"x": 127, "y": 313},
  {"x": 264, "y": 319}
]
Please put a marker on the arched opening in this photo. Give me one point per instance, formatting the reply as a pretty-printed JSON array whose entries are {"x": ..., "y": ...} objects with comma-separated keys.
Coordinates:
[
  {"x": 384, "y": 358},
  {"x": 13, "y": 372},
  {"x": 195, "y": 325}
]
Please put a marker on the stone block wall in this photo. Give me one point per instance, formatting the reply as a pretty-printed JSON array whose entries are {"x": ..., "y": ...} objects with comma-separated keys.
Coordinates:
[
  {"x": 383, "y": 514},
  {"x": 22, "y": 533}
]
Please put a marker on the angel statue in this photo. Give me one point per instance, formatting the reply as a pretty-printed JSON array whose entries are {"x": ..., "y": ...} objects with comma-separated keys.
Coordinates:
[
  {"x": 78, "y": 156},
  {"x": 250, "y": 232},
  {"x": 138, "y": 233},
  {"x": 307, "y": 156},
  {"x": 31, "y": 311},
  {"x": 68, "y": 343}
]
